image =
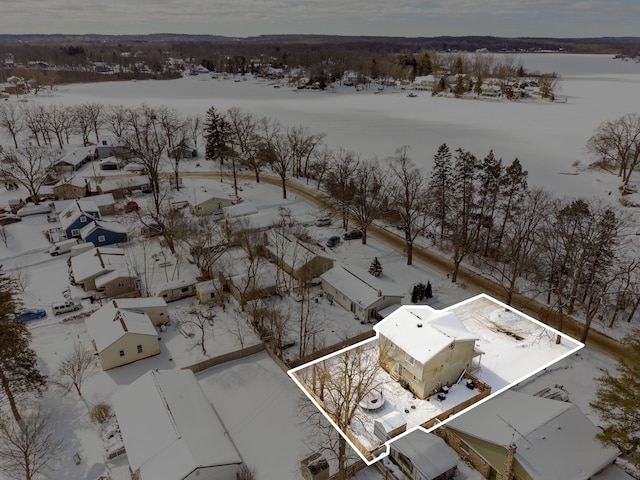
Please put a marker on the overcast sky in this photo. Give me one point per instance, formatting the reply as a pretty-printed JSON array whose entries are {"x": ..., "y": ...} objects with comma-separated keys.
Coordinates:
[{"x": 243, "y": 18}]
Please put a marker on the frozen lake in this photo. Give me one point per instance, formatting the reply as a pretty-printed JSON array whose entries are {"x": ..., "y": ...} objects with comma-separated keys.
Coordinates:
[{"x": 547, "y": 137}]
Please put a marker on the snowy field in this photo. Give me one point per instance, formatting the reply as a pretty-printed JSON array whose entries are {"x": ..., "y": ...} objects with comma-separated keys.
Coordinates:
[{"x": 253, "y": 395}]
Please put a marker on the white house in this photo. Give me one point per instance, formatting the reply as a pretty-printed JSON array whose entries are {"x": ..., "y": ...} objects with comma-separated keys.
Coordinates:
[
  {"x": 205, "y": 203},
  {"x": 171, "y": 431},
  {"x": 359, "y": 292},
  {"x": 156, "y": 308},
  {"x": 92, "y": 264},
  {"x": 425, "y": 348},
  {"x": 121, "y": 336}
]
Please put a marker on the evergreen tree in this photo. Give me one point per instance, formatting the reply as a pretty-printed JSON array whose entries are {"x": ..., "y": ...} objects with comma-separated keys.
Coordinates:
[
  {"x": 428, "y": 293},
  {"x": 18, "y": 362},
  {"x": 440, "y": 186},
  {"x": 617, "y": 402},
  {"x": 375, "y": 268},
  {"x": 215, "y": 135},
  {"x": 425, "y": 66}
]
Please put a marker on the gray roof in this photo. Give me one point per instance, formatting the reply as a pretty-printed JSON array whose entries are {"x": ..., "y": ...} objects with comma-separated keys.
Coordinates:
[
  {"x": 429, "y": 454},
  {"x": 553, "y": 439}
]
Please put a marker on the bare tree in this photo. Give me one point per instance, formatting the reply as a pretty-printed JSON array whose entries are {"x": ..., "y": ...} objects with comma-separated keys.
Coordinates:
[
  {"x": 340, "y": 384},
  {"x": 338, "y": 182},
  {"x": 408, "y": 199},
  {"x": 75, "y": 368},
  {"x": 22, "y": 277},
  {"x": 11, "y": 121},
  {"x": 201, "y": 318},
  {"x": 59, "y": 120},
  {"x": 27, "y": 450},
  {"x": 176, "y": 133},
  {"x": 35, "y": 120},
  {"x": 616, "y": 143},
  {"x": 370, "y": 200},
  {"x": 28, "y": 166},
  {"x": 89, "y": 119}
]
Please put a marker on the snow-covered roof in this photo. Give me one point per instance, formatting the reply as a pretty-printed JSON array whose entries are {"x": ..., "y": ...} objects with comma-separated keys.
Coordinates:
[
  {"x": 290, "y": 250},
  {"x": 239, "y": 210},
  {"x": 358, "y": 285},
  {"x": 198, "y": 196},
  {"x": 108, "y": 324},
  {"x": 97, "y": 260},
  {"x": 76, "y": 181},
  {"x": 99, "y": 200},
  {"x": 265, "y": 278},
  {"x": 75, "y": 209},
  {"x": 422, "y": 331},
  {"x": 256, "y": 221},
  {"x": 77, "y": 156},
  {"x": 135, "y": 303},
  {"x": 129, "y": 182},
  {"x": 101, "y": 224},
  {"x": 613, "y": 472},
  {"x": 175, "y": 284},
  {"x": 553, "y": 439},
  {"x": 103, "y": 280},
  {"x": 169, "y": 427},
  {"x": 428, "y": 453}
]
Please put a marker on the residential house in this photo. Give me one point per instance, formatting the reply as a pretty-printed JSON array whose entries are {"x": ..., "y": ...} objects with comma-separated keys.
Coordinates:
[
  {"x": 73, "y": 161},
  {"x": 123, "y": 187},
  {"x": 186, "y": 149},
  {"x": 121, "y": 336},
  {"x": 204, "y": 203},
  {"x": 105, "y": 203},
  {"x": 72, "y": 188},
  {"x": 110, "y": 163},
  {"x": 358, "y": 292},
  {"x": 246, "y": 279},
  {"x": 92, "y": 264},
  {"x": 425, "y": 83},
  {"x": 421, "y": 456},
  {"x": 118, "y": 283},
  {"x": 171, "y": 430},
  {"x": 176, "y": 289},
  {"x": 102, "y": 233},
  {"x": 425, "y": 348},
  {"x": 156, "y": 308},
  {"x": 77, "y": 215},
  {"x": 109, "y": 146},
  {"x": 526, "y": 437},
  {"x": 299, "y": 259}
]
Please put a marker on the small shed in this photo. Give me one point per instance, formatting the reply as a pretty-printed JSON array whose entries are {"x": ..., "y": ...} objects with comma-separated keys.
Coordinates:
[
  {"x": 425, "y": 456},
  {"x": 206, "y": 292},
  {"x": 389, "y": 425},
  {"x": 176, "y": 289}
]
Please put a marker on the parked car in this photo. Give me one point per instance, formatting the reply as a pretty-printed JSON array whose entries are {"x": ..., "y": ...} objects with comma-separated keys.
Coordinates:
[
  {"x": 353, "y": 234},
  {"x": 31, "y": 314},
  {"x": 65, "y": 307},
  {"x": 131, "y": 207},
  {"x": 323, "y": 222},
  {"x": 333, "y": 241}
]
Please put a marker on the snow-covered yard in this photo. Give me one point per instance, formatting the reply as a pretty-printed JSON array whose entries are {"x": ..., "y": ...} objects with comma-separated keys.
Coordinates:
[{"x": 255, "y": 399}]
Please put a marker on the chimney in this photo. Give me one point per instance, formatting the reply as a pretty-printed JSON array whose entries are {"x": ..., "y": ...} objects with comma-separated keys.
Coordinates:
[{"x": 508, "y": 464}]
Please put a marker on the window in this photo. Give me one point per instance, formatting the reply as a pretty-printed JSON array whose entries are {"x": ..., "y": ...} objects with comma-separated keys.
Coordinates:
[
  {"x": 409, "y": 359},
  {"x": 121, "y": 285},
  {"x": 83, "y": 219},
  {"x": 75, "y": 232},
  {"x": 122, "y": 353},
  {"x": 184, "y": 290},
  {"x": 325, "y": 267},
  {"x": 464, "y": 447},
  {"x": 139, "y": 348},
  {"x": 101, "y": 238}
]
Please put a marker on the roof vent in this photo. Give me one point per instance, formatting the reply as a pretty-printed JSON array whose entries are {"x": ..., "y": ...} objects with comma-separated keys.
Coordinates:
[{"x": 419, "y": 325}]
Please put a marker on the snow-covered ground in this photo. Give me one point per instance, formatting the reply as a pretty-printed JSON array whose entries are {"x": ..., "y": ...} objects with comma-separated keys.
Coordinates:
[{"x": 257, "y": 400}]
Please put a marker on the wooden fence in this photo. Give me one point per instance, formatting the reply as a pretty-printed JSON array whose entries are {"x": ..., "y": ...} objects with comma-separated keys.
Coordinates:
[
  {"x": 227, "y": 357},
  {"x": 332, "y": 348}
]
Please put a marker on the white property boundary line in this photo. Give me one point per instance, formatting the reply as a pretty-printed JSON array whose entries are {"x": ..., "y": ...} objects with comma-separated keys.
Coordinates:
[{"x": 387, "y": 444}]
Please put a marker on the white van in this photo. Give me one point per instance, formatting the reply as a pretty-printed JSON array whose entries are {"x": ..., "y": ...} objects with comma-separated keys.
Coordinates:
[
  {"x": 65, "y": 307},
  {"x": 62, "y": 247}
]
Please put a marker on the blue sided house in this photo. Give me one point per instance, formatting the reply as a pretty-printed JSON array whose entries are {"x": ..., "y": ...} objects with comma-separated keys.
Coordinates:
[
  {"x": 102, "y": 233},
  {"x": 78, "y": 215}
]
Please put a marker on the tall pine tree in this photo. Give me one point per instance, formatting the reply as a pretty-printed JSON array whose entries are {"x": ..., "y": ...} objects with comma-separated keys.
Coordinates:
[
  {"x": 215, "y": 135},
  {"x": 18, "y": 362},
  {"x": 439, "y": 187},
  {"x": 617, "y": 402}
]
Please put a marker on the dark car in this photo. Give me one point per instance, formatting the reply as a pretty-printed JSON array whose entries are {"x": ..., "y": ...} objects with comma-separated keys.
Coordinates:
[
  {"x": 131, "y": 207},
  {"x": 333, "y": 241},
  {"x": 31, "y": 314},
  {"x": 353, "y": 234}
]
